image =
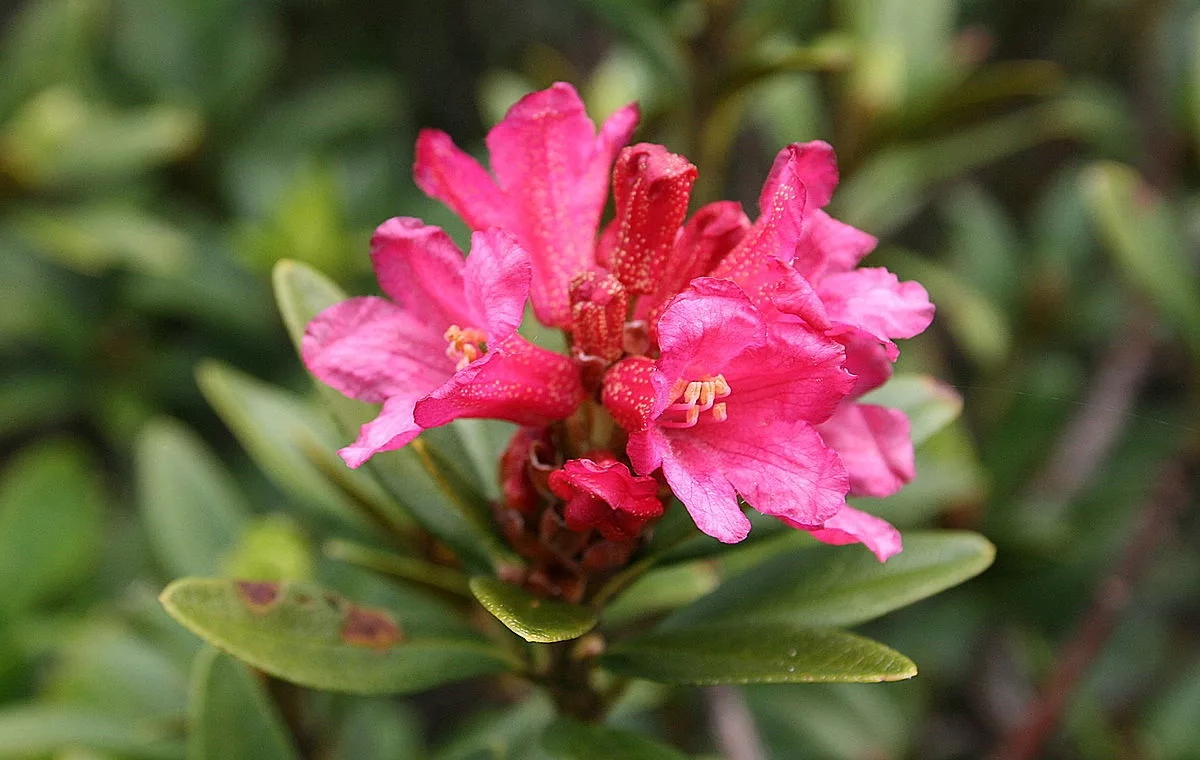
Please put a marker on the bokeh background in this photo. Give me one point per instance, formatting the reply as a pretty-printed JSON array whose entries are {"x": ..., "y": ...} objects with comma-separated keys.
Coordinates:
[{"x": 1034, "y": 164}]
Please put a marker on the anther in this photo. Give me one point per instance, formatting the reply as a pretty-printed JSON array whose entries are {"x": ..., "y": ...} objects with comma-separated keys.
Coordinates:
[
  {"x": 690, "y": 398},
  {"x": 464, "y": 345}
]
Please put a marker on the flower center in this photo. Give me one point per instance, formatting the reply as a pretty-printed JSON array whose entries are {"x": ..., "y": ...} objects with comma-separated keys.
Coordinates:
[
  {"x": 691, "y": 397},
  {"x": 464, "y": 345}
]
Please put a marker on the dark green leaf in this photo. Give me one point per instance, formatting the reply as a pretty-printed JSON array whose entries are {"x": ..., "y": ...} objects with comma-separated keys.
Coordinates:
[
  {"x": 231, "y": 715},
  {"x": 105, "y": 668},
  {"x": 568, "y": 739},
  {"x": 38, "y": 730},
  {"x": 827, "y": 586},
  {"x": 530, "y": 617},
  {"x": 51, "y": 506},
  {"x": 409, "y": 569},
  {"x": 304, "y": 634},
  {"x": 510, "y": 734},
  {"x": 1147, "y": 241},
  {"x": 59, "y": 138},
  {"x": 95, "y": 238},
  {"x": 662, "y": 590},
  {"x": 836, "y": 721},
  {"x": 286, "y": 437},
  {"x": 381, "y": 728},
  {"x": 742, "y": 652},
  {"x": 192, "y": 509}
]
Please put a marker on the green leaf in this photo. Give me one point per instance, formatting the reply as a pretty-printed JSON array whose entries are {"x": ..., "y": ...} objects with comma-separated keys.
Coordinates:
[
  {"x": 530, "y": 617},
  {"x": 304, "y": 634},
  {"x": 409, "y": 569},
  {"x": 51, "y": 507},
  {"x": 284, "y": 435},
  {"x": 306, "y": 223},
  {"x": 49, "y": 42},
  {"x": 1146, "y": 239},
  {"x": 270, "y": 548},
  {"x": 929, "y": 403},
  {"x": 896, "y": 182},
  {"x": 105, "y": 667},
  {"x": 836, "y": 721},
  {"x": 833, "y": 586},
  {"x": 59, "y": 138},
  {"x": 94, "y": 238},
  {"x": 569, "y": 739},
  {"x": 39, "y": 730},
  {"x": 380, "y": 728},
  {"x": 509, "y": 734},
  {"x": 1169, "y": 726},
  {"x": 740, "y": 652},
  {"x": 192, "y": 509},
  {"x": 231, "y": 715},
  {"x": 662, "y": 590}
]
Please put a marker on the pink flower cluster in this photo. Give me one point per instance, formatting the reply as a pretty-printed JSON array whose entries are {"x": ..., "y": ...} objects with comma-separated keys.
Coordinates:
[{"x": 716, "y": 358}]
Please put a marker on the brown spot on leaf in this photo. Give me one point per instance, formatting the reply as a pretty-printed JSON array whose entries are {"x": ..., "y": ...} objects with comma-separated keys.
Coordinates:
[
  {"x": 258, "y": 595},
  {"x": 374, "y": 629}
]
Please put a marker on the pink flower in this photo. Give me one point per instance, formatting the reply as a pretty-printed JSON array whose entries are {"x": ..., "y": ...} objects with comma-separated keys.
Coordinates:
[
  {"x": 864, "y": 309},
  {"x": 551, "y": 179},
  {"x": 604, "y": 495},
  {"x": 728, "y": 410},
  {"x": 445, "y": 346}
]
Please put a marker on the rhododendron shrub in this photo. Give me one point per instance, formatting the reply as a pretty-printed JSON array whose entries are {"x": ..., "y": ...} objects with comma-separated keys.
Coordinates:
[{"x": 714, "y": 388}]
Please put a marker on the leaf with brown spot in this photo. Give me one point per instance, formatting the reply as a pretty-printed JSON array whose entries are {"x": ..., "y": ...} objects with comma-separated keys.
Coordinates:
[
  {"x": 317, "y": 638},
  {"x": 258, "y": 595},
  {"x": 374, "y": 629}
]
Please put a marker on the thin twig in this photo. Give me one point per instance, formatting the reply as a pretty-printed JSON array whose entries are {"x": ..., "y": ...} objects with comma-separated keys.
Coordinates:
[
  {"x": 1087, "y": 439},
  {"x": 1025, "y": 740}
]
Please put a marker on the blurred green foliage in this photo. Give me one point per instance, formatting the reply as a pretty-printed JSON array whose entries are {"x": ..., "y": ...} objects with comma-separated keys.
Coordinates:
[{"x": 1034, "y": 165}]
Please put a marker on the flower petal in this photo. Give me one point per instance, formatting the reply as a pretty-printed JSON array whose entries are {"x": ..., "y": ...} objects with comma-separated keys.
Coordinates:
[
  {"x": 370, "y": 349},
  {"x": 875, "y": 444},
  {"x": 554, "y": 171},
  {"x": 651, "y": 188},
  {"x": 496, "y": 283},
  {"x": 867, "y": 358},
  {"x": 776, "y": 233},
  {"x": 631, "y": 395},
  {"x": 830, "y": 246},
  {"x": 605, "y": 496},
  {"x": 797, "y": 375},
  {"x": 514, "y": 381},
  {"x": 783, "y": 469},
  {"x": 705, "y": 239},
  {"x": 706, "y": 493},
  {"x": 852, "y": 526},
  {"x": 876, "y": 301},
  {"x": 446, "y": 173},
  {"x": 394, "y": 428},
  {"x": 815, "y": 166},
  {"x": 705, "y": 327},
  {"x": 421, "y": 269}
]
